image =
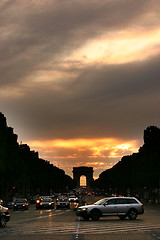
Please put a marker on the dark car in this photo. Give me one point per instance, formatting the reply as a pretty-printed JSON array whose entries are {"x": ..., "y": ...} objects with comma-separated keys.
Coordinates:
[
  {"x": 62, "y": 202},
  {"x": 44, "y": 203},
  {"x": 4, "y": 216},
  {"x": 21, "y": 204}
]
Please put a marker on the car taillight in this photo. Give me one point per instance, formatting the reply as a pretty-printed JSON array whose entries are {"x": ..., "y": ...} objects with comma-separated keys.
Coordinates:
[{"x": 142, "y": 206}]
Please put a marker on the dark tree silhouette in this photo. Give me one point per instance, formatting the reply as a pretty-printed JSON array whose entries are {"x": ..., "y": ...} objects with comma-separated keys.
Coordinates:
[
  {"x": 138, "y": 171},
  {"x": 22, "y": 172}
]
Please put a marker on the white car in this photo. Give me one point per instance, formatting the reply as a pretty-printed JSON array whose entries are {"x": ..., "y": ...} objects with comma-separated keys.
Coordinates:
[
  {"x": 73, "y": 198},
  {"x": 121, "y": 207}
]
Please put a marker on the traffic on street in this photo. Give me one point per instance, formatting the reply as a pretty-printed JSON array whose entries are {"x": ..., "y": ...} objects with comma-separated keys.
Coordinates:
[{"x": 63, "y": 223}]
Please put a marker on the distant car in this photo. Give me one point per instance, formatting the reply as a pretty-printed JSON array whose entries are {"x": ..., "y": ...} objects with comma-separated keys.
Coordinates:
[
  {"x": 44, "y": 203},
  {"x": 73, "y": 198},
  {"x": 62, "y": 202},
  {"x": 21, "y": 203},
  {"x": 4, "y": 216},
  {"x": 121, "y": 207},
  {"x": 10, "y": 205}
]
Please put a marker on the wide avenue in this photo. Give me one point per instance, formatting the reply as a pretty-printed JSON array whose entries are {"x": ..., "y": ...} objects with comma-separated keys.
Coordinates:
[{"x": 64, "y": 224}]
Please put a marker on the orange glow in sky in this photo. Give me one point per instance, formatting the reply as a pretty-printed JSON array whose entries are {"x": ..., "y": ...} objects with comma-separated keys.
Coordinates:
[{"x": 97, "y": 153}]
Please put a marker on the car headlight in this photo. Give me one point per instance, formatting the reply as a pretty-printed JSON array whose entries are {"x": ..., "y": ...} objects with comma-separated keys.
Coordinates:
[
  {"x": 83, "y": 209},
  {"x": 49, "y": 203}
]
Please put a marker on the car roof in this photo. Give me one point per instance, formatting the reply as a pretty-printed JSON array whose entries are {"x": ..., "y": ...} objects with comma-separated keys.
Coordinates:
[
  {"x": 121, "y": 197},
  {"x": 21, "y": 199}
]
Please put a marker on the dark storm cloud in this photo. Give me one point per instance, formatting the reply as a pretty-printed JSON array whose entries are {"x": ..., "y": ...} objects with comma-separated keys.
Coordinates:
[
  {"x": 114, "y": 100},
  {"x": 33, "y": 32}
]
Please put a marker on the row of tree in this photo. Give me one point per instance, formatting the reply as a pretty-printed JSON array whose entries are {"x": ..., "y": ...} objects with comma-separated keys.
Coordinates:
[
  {"x": 138, "y": 171},
  {"x": 22, "y": 172}
]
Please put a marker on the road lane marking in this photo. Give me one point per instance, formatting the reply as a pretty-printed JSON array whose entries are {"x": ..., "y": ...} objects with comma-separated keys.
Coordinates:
[{"x": 77, "y": 232}]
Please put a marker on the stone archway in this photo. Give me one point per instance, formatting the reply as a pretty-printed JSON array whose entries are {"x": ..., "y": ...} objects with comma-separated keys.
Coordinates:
[{"x": 86, "y": 171}]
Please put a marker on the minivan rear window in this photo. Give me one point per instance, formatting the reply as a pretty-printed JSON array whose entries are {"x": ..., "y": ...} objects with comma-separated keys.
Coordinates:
[{"x": 130, "y": 201}]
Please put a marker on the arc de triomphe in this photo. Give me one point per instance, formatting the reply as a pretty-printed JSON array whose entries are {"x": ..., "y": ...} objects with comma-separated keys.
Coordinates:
[{"x": 80, "y": 171}]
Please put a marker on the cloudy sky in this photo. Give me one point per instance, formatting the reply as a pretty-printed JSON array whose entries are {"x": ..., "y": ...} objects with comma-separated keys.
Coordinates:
[{"x": 80, "y": 80}]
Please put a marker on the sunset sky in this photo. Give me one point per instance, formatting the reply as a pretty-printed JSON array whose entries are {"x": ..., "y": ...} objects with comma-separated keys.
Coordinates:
[{"x": 80, "y": 80}]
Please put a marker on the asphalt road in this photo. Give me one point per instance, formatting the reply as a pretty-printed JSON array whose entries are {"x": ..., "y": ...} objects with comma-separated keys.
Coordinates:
[{"x": 65, "y": 225}]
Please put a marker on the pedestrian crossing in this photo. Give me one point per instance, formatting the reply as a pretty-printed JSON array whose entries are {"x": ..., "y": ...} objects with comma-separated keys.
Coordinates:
[
  {"x": 115, "y": 228},
  {"x": 85, "y": 227}
]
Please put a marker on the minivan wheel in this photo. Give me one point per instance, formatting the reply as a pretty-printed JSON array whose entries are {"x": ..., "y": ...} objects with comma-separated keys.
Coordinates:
[
  {"x": 95, "y": 215},
  {"x": 3, "y": 221},
  {"x": 132, "y": 215}
]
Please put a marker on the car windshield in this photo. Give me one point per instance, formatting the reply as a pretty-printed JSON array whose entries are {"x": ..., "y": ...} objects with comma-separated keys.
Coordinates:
[
  {"x": 46, "y": 200},
  {"x": 20, "y": 201},
  {"x": 100, "y": 202}
]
